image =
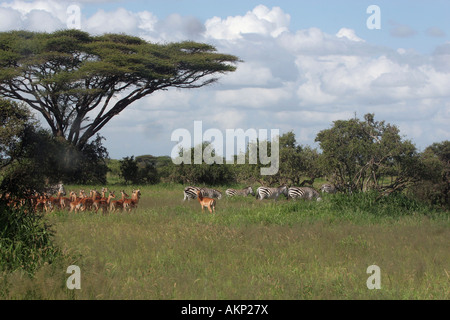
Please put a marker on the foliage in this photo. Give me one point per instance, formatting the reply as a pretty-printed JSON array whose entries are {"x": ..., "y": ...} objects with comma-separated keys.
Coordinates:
[
  {"x": 148, "y": 169},
  {"x": 129, "y": 170},
  {"x": 200, "y": 173},
  {"x": 92, "y": 166},
  {"x": 295, "y": 163},
  {"x": 16, "y": 123},
  {"x": 142, "y": 170},
  {"x": 31, "y": 157},
  {"x": 26, "y": 240},
  {"x": 435, "y": 185},
  {"x": 357, "y": 154}
]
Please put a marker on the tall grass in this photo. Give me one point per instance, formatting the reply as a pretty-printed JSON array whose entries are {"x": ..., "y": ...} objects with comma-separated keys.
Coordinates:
[{"x": 249, "y": 249}]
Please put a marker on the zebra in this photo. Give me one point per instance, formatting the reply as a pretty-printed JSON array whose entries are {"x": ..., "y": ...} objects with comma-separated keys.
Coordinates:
[
  {"x": 303, "y": 193},
  {"x": 55, "y": 189},
  {"x": 271, "y": 193},
  {"x": 328, "y": 188},
  {"x": 243, "y": 192},
  {"x": 191, "y": 193},
  {"x": 211, "y": 193}
]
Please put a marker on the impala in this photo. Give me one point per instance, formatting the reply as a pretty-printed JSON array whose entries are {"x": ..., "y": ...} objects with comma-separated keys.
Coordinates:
[
  {"x": 87, "y": 202},
  {"x": 75, "y": 202},
  {"x": 103, "y": 203},
  {"x": 118, "y": 204},
  {"x": 206, "y": 202},
  {"x": 129, "y": 204}
]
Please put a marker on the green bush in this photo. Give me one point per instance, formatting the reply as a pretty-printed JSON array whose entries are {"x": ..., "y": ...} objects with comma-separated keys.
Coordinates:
[
  {"x": 26, "y": 240},
  {"x": 394, "y": 205}
]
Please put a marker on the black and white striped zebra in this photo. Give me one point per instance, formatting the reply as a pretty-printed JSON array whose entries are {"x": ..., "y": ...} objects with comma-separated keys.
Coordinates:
[
  {"x": 328, "y": 188},
  {"x": 191, "y": 193},
  {"x": 211, "y": 193},
  {"x": 55, "y": 189},
  {"x": 306, "y": 193},
  {"x": 242, "y": 192},
  {"x": 271, "y": 193}
]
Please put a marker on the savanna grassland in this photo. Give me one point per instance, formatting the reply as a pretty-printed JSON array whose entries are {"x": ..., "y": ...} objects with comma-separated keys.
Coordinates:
[{"x": 290, "y": 250}]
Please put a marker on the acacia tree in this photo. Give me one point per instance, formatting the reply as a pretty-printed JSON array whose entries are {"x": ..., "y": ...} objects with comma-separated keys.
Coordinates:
[
  {"x": 360, "y": 155},
  {"x": 79, "y": 82}
]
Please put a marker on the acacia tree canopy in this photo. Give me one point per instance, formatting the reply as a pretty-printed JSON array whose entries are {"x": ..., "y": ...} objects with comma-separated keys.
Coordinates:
[
  {"x": 71, "y": 77},
  {"x": 358, "y": 154}
]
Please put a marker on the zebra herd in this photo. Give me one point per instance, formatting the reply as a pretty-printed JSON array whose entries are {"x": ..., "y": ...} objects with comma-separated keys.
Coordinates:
[{"x": 306, "y": 193}]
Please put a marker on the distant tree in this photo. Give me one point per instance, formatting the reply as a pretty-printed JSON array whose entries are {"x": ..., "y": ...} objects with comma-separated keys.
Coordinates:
[
  {"x": 147, "y": 169},
  {"x": 79, "y": 82},
  {"x": 291, "y": 164},
  {"x": 211, "y": 174},
  {"x": 296, "y": 163},
  {"x": 88, "y": 165},
  {"x": 129, "y": 170},
  {"x": 435, "y": 184},
  {"x": 358, "y": 154}
]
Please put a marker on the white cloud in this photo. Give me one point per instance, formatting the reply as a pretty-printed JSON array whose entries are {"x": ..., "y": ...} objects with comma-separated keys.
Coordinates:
[
  {"x": 43, "y": 21},
  {"x": 57, "y": 9},
  {"x": 257, "y": 98},
  {"x": 249, "y": 74},
  {"x": 441, "y": 58},
  {"x": 147, "y": 21},
  {"x": 178, "y": 28},
  {"x": 261, "y": 20},
  {"x": 10, "y": 19},
  {"x": 228, "y": 119},
  {"x": 43, "y": 16},
  {"x": 349, "y": 34},
  {"x": 118, "y": 21}
]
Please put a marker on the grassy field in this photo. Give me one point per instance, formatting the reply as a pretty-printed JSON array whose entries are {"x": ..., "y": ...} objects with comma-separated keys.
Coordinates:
[{"x": 249, "y": 249}]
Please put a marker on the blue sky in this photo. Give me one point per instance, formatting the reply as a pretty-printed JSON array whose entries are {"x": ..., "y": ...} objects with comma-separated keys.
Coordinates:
[
  {"x": 328, "y": 15},
  {"x": 306, "y": 64}
]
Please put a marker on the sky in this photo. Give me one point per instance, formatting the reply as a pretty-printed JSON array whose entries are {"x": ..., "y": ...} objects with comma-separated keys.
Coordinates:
[{"x": 305, "y": 65}]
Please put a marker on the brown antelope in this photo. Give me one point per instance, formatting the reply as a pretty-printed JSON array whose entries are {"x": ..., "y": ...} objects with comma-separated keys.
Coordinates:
[
  {"x": 75, "y": 202},
  {"x": 43, "y": 204},
  {"x": 118, "y": 204},
  {"x": 65, "y": 203},
  {"x": 129, "y": 204},
  {"x": 206, "y": 202},
  {"x": 103, "y": 203},
  {"x": 56, "y": 201},
  {"x": 86, "y": 202}
]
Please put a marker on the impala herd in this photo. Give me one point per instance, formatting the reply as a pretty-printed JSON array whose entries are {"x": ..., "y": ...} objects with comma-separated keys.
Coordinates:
[{"x": 79, "y": 203}]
